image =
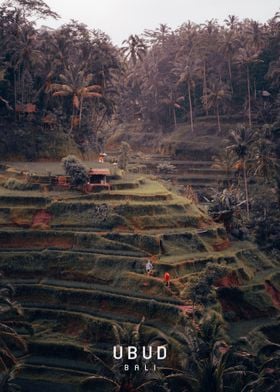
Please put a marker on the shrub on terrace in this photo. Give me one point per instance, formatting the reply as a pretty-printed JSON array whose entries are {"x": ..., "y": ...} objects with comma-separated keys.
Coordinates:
[
  {"x": 200, "y": 288},
  {"x": 75, "y": 169},
  {"x": 166, "y": 168},
  {"x": 17, "y": 185}
]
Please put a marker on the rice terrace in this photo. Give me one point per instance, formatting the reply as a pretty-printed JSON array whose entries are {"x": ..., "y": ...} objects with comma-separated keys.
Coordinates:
[{"x": 139, "y": 206}]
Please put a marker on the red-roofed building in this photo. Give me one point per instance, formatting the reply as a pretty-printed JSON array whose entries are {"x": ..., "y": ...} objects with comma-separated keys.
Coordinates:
[{"x": 97, "y": 179}]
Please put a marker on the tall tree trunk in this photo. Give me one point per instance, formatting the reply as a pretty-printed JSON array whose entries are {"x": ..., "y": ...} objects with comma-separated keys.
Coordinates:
[
  {"x": 22, "y": 88},
  {"x": 19, "y": 87},
  {"x": 101, "y": 121},
  {"x": 190, "y": 103},
  {"x": 205, "y": 88},
  {"x": 174, "y": 117},
  {"x": 218, "y": 118},
  {"x": 133, "y": 56},
  {"x": 72, "y": 119},
  {"x": 249, "y": 97},
  {"x": 81, "y": 111},
  {"x": 15, "y": 92},
  {"x": 229, "y": 69},
  {"x": 230, "y": 73},
  {"x": 246, "y": 188},
  {"x": 156, "y": 104}
]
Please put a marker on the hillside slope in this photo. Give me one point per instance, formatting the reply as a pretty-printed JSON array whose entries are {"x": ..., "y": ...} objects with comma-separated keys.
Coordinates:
[{"x": 83, "y": 270}]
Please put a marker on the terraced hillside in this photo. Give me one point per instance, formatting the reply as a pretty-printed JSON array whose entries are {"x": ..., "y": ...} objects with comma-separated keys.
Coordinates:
[
  {"x": 191, "y": 154},
  {"x": 78, "y": 264},
  {"x": 200, "y": 174}
]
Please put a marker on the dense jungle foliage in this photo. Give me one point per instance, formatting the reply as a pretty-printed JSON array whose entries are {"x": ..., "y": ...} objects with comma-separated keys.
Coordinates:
[{"x": 71, "y": 80}]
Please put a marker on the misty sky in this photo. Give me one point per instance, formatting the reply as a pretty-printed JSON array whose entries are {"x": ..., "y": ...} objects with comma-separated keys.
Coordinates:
[{"x": 119, "y": 18}]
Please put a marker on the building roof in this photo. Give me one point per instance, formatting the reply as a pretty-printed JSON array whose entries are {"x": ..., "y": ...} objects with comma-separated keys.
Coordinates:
[{"x": 99, "y": 172}]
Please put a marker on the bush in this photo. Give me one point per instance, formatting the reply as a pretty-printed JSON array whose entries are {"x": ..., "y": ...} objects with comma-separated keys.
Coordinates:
[
  {"x": 14, "y": 184},
  {"x": 200, "y": 288},
  {"x": 76, "y": 170},
  {"x": 226, "y": 207},
  {"x": 166, "y": 168},
  {"x": 124, "y": 155},
  {"x": 265, "y": 220}
]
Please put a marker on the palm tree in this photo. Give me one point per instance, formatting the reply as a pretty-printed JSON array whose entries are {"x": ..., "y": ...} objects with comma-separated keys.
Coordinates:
[
  {"x": 9, "y": 338},
  {"x": 34, "y": 8},
  {"x": 255, "y": 34},
  {"x": 273, "y": 72},
  {"x": 212, "y": 328},
  {"x": 7, "y": 378},
  {"x": 229, "y": 45},
  {"x": 25, "y": 56},
  {"x": 173, "y": 103},
  {"x": 187, "y": 69},
  {"x": 204, "y": 51},
  {"x": 242, "y": 139},
  {"x": 225, "y": 160},
  {"x": 208, "y": 364},
  {"x": 76, "y": 84},
  {"x": 148, "y": 84},
  {"x": 211, "y": 26},
  {"x": 119, "y": 380},
  {"x": 246, "y": 56},
  {"x": 268, "y": 376},
  {"x": 206, "y": 44},
  {"x": 231, "y": 21},
  {"x": 135, "y": 48},
  {"x": 159, "y": 35},
  {"x": 273, "y": 24},
  {"x": 266, "y": 163},
  {"x": 10, "y": 341},
  {"x": 216, "y": 96}
]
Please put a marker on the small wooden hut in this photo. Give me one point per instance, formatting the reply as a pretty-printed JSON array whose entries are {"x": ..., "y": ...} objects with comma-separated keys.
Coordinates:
[{"x": 98, "y": 179}]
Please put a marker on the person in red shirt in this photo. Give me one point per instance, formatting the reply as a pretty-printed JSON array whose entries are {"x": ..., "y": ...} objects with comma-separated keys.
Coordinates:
[{"x": 167, "y": 279}]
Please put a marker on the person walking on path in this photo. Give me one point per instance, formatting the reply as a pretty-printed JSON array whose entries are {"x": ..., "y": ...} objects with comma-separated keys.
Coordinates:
[
  {"x": 167, "y": 279},
  {"x": 149, "y": 267}
]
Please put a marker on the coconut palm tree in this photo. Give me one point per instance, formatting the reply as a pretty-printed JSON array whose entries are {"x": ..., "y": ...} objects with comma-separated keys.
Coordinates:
[
  {"x": 76, "y": 84},
  {"x": 115, "y": 378},
  {"x": 266, "y": 163},
  {"x": 215, "y": 97},
  {"x": 173, "y": 103},
  {"x": 255, "y": 34},
  {"x": 268, "y": 376},
  {"x": 242, "y": 139},
  {"x": 225, "y": 160},
  {"x": 231, "y": 21},
  {"x": 25, "y": 55},
  {"x": 246, "y": 56},
  {"x": 273, "y": 72},
  {"x": 7, "y": 378},
  {"x": 134, "y": 48},
  {"x": 187, "y": 69},
  {"x": 229, "y": 45},
  {"x": 34, "y": 8},
  {"x": 10, "y": 341},
  {"x": 209, "y": 363},
  {"x": 9, "y": 338},
  {"x": 159, "y": 35}
]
